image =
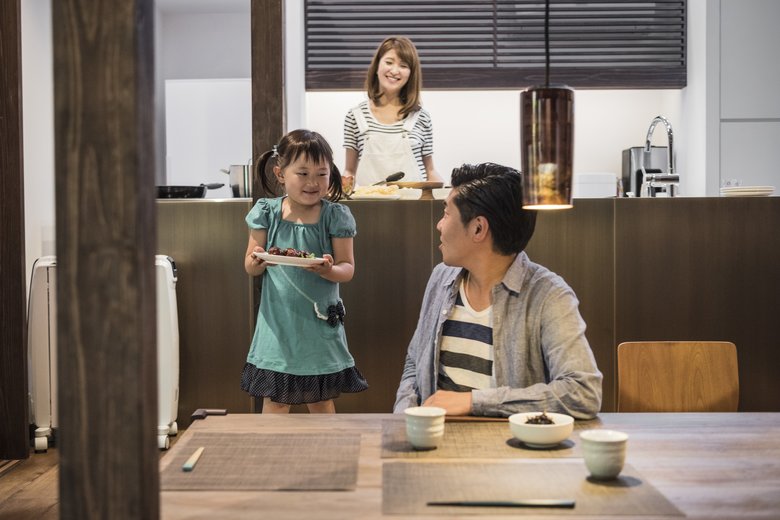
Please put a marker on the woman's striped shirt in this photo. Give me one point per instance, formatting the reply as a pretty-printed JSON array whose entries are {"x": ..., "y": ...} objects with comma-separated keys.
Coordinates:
[{"x": 421, "y": 135}]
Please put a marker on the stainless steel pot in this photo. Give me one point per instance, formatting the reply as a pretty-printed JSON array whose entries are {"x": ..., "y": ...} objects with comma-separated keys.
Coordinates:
[{"x": 240, "y": 179}]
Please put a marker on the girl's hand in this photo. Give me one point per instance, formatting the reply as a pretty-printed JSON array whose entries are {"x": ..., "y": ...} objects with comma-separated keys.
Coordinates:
[
  {"x": 255, "y": 266},
  {"x": 323, "y": 268}
]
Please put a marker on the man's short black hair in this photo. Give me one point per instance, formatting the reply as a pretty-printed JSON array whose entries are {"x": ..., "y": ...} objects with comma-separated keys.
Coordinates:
[{"x": 494, "y": 192}]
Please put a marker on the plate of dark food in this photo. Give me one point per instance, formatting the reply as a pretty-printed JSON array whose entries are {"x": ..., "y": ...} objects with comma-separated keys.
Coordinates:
[
  {"x": 541, "y": 429},
  {"x": 289, "y": 256}
]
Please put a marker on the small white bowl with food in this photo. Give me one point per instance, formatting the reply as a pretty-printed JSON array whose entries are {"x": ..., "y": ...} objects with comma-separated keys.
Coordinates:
[{"x": 541, "y": 429}]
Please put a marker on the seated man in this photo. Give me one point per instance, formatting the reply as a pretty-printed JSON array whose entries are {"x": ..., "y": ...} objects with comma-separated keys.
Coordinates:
[{"x": 497, "y": 333}]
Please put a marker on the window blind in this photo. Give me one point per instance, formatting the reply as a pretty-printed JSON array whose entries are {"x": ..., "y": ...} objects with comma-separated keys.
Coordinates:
[{"x": 495, "y": 44}]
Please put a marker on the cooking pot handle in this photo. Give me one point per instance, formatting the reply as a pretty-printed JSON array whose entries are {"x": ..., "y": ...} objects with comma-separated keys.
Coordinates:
[{"x": 213, "y": 186}]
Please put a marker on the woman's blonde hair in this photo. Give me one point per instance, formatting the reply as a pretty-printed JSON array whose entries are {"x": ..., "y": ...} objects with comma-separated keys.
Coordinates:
[{"x": 407, "y": 52}]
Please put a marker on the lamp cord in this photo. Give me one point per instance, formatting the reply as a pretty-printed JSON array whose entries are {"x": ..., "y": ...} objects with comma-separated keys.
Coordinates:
[{"x": 547, "y": 43}]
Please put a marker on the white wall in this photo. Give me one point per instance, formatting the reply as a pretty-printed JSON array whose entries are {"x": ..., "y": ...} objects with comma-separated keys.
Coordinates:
[
  {"x": 38, "y": 130},
  {"x": 481, "y": 126},
  {"x": 208, "y": 129}
]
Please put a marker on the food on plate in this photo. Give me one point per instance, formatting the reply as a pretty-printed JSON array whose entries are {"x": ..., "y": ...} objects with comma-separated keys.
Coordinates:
[
  {"x": 298, "y": 253},
  {"x": 542, "y": 418},
  {"x": 376, "y": 190}
]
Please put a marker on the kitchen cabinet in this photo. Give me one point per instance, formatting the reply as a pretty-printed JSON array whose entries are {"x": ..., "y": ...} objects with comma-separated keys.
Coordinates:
[
  {"x": 749, "y": 152},
  {"x": 749, "y": 109},
  {"x": 749, "y": 69}
]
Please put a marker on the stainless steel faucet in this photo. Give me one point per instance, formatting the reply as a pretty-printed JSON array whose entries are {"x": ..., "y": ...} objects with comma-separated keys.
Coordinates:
[
  {"x": 669, "y": 135},
  {"x": 668, "y": 182}
]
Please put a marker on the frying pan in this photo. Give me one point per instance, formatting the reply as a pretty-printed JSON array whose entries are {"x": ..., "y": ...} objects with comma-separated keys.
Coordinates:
[{"x": 185, "y": 192}]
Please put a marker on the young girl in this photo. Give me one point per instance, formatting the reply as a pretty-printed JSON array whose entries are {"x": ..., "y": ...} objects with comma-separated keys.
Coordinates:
[
  {"x": 390, "y": 131},
  {"x": 299, "y": 351}
]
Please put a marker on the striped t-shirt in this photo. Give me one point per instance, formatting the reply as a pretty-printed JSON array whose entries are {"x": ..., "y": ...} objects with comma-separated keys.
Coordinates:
[
  {"x": 421, "y": 136},
  {"x": 466, "y": 354}
]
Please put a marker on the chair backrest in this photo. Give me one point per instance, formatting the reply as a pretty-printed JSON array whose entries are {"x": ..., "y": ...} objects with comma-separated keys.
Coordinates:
[{"x": 677, "y": 376}]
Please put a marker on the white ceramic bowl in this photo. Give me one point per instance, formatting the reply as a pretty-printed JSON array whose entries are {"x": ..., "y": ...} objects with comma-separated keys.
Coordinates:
[
  {"x": 541, "y": 435},
  {"x": 440, "y": 193},
  {"x": 410, "y": 193}
]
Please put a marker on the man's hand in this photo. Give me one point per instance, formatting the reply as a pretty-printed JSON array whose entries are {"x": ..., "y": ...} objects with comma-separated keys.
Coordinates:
[{"x": 456, "y": 403}]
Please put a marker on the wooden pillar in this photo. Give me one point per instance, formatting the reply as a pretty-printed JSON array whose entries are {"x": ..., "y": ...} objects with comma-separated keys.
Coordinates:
[
  {"x": 268, "y": 103},
  {"x": 106, "y": 239},
  {"x": 13, "y": 365}
]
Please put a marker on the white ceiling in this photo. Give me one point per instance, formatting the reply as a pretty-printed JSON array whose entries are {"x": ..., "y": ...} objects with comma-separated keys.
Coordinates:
[{"x": 203, "y": 6}]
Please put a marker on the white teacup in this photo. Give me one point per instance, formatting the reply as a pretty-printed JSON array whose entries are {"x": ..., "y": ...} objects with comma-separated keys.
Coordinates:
[
  {"x": 425, "y": 426},
  {"x": 604, "y": 452}
]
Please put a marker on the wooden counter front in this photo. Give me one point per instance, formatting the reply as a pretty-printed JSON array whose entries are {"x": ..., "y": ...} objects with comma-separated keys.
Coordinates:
[{"x": 643, "y": 269}]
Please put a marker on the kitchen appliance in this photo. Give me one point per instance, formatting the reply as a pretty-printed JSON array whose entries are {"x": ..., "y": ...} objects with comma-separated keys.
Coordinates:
[
  {"x": 186, "y": 192},
  {"x": 240, "y": 179},
  {"x": 595, "y": 185},
  {"x": 637, "y": 163},
  {"x": 42, "y": 350}
]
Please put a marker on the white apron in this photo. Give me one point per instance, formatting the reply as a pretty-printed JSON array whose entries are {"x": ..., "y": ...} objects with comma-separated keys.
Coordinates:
[{"x": 384, "y": 154}]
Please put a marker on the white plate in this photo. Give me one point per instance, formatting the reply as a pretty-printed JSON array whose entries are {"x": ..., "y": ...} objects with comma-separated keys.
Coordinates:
[
  {"x": 728, "y": 189},
  {"x": 289, "y": 260},
  {"x": 755, "y": 192},
  {"x": 357, "y": 196}
]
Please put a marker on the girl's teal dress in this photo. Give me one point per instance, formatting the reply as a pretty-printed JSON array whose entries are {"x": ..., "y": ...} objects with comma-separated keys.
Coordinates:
[{"x": 296, "y": 357}]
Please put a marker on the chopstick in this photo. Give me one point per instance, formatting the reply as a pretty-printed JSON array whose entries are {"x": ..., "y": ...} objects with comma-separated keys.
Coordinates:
[
  {"x": 531, "y": 502},
  {"x": 474, "y": 418},
  {"x": 190, "y": 464}
]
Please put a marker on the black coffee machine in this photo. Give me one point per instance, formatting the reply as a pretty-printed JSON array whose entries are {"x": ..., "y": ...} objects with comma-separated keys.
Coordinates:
[{"x": 635, "y": 160}]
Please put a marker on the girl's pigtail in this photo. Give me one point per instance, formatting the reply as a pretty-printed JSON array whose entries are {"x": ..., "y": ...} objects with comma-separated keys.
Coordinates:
[
  {"x": 336, "y": 189},
  {"x": 270, "y": 187}
]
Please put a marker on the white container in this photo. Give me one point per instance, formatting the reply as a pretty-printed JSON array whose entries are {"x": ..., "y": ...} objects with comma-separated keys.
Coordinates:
[{"x": 594, "y": 185}]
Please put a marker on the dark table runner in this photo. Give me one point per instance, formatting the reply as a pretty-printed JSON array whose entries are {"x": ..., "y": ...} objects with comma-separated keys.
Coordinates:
[
  {"x": 408, "y": 486},
  {"x": 265, "y": 461}
]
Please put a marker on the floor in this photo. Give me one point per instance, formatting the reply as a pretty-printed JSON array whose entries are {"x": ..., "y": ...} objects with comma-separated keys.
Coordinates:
[{"x": 29, "y": 489}]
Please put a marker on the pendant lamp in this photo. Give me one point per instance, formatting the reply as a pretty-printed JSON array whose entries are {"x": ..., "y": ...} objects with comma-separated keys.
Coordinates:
[{"x": 547, "y": 139}]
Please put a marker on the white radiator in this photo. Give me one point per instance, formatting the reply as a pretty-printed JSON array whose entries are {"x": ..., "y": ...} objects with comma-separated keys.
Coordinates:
[{"x": 42, "y": 350}]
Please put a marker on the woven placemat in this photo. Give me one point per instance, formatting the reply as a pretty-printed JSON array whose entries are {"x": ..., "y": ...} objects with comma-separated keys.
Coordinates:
[
  {"x": 407, "y": 487},
  {"x": 266, "y": 461},
  {"x": 489, "y": 440}
]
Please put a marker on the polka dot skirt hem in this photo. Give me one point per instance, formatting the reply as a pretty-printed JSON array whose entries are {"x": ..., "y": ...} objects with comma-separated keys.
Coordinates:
[{"x": 291, "y": 389}]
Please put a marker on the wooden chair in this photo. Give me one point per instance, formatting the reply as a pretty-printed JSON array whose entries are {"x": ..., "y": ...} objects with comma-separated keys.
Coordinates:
[{"x": 677, "y": 376}]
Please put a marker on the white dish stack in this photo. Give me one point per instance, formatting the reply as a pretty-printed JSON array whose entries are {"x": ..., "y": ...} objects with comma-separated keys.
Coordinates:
[{"x": 747, "y": 191}]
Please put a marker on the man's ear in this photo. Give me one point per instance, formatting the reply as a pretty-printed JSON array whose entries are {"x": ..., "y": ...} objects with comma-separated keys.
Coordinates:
[{"x": 480, "y": 227}]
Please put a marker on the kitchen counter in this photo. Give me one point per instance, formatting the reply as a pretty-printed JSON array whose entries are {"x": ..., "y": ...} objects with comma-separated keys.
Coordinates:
[{"x": 643, "y": 269}]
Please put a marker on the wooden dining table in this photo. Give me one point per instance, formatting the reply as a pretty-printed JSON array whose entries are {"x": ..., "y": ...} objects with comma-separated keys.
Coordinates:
[{"x": 704, "y": 465}]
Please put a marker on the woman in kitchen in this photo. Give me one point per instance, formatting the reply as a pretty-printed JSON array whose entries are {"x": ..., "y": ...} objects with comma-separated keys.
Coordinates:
[{"x": 390, "y": 131}]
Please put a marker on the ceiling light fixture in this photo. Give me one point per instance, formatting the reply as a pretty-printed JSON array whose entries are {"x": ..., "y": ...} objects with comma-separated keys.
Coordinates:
[{"x": 547, "y": 139}]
